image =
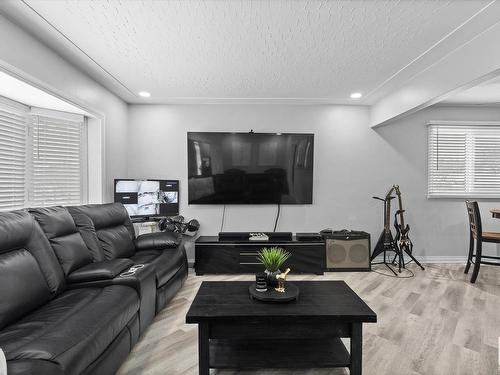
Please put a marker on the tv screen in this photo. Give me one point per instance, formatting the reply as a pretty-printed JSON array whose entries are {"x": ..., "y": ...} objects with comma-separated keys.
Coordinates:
[
  {"x": 148, "y": 197},
  {"x": 250, "y": 168}
]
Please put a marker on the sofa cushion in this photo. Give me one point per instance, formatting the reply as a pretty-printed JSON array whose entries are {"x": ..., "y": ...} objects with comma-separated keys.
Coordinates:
[
  {"x": 87, "y": 230},
  {"x": 22, "y": 286},
  {"x": 33, "y": 366},
  {"x": 71, "y": 252},
  {"x": 29, "y": 272},
  {"x": 65, "y": 239},
  {"x": 106, "y": 215},
  {"x": 166, "y": 262},
  {"x": 114, "y": 231},
  {"x": 116, "y": 242},
  {"x": 55, "y": 221},
  {"x": 72, "y": 330}
]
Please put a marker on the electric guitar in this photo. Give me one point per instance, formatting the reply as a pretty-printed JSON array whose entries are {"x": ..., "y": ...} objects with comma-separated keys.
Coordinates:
[
  {"x": 386, "y": 242},
  {"x": 402, "y": 238}
]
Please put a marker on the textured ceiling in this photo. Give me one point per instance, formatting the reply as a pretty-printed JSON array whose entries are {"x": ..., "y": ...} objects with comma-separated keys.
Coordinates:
[{"x": 234, "y": 49}]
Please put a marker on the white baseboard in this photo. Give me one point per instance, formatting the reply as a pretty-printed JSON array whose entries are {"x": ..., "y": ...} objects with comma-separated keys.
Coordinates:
[
  {"x": 435, "y": 259},
  {"x": 443, "y": 259}
]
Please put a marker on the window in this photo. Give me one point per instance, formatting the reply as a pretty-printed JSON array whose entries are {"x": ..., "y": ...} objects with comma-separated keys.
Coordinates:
[
  {"x": 13, "y": 137},
  {"x": 464, "y": 159},
  {"x": 42, "y": 157},
  {"x": 57, "y": 169}
]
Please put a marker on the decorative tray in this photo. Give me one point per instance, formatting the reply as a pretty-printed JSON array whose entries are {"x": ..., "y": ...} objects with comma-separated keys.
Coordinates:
[{"x": 291, "y": 294}]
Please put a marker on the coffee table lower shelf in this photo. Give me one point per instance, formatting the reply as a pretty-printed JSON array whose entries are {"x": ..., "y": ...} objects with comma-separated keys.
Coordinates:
[{"x": 279, "y": 353}]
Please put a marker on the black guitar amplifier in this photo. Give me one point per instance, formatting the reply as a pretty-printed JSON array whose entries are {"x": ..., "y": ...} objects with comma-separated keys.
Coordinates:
[{"x": 347, "y": 251}]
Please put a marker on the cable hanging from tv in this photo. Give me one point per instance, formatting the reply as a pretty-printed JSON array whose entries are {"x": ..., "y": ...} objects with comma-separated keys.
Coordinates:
[{"x": 277, "y": 217}]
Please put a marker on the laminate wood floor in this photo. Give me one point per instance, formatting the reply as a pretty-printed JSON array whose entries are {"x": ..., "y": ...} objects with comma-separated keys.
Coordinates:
[{"x": 435, "y": 323}]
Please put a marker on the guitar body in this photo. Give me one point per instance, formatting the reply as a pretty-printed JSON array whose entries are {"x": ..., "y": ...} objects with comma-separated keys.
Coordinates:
[
  {"x": 385, "y": 242},
  {"x": 402, "y": 238},
  {"x": 379, "y": 247}
]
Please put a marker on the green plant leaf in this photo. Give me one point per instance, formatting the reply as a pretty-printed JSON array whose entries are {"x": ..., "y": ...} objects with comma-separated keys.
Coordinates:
[{"x": 273, "y": 257}]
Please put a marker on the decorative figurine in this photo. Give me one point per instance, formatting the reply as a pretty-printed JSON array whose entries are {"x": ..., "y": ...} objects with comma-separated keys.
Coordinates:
[{"x": 281, "y": 281}]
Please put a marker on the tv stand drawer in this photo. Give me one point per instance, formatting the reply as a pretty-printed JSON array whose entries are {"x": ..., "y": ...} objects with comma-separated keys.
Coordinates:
[{"x": 214, "y": 257}]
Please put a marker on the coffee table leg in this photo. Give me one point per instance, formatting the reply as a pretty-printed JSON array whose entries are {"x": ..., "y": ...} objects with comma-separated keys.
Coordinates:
[
  {"x": 356, "y": 348},
  {"x": 203, "y": 349}
]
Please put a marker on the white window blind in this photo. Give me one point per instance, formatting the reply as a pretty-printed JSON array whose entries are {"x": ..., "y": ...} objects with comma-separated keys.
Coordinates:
[
  {"x": 13, "y": 133},
  {"x": 42, "y": 157},
  {"x": 464, "y": 160},
  {"x": 57, "y": 169}
]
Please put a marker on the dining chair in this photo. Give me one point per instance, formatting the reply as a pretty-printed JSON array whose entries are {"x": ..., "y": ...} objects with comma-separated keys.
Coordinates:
[{"x": 478, "y": 236}]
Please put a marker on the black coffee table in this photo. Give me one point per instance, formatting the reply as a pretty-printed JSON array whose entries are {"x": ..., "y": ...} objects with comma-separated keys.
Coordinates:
[{"x": 235, "y": 331}]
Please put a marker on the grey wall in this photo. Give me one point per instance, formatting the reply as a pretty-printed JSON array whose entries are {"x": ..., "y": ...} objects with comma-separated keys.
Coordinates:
[
  {"x": 352, "y": 163},
  {"x": 438, "y": 226},
  {"x": 39, "y": 64}
]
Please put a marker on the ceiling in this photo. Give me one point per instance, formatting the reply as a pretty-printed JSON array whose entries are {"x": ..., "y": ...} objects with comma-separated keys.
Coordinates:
[
  {"x": 230, "y": 51},
  {"x": 22, "y": 92},
  {"x": 487, "y": 93}
]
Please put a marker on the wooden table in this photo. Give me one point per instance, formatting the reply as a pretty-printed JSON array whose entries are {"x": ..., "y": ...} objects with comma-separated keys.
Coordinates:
[
  {"x": 495, "y": 213},
  {"x": 237, "y": 332}
]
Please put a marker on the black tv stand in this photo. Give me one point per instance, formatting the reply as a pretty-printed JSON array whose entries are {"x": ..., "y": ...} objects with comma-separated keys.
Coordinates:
[
  {"x": 245, "y": 236},
  {"x": 237, "y": 256}
]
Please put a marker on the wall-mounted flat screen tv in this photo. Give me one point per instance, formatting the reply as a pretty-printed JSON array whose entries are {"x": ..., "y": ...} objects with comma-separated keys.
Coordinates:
[
  {"x": 250, "y": 168},
  {"x": 148, "y": 198}
]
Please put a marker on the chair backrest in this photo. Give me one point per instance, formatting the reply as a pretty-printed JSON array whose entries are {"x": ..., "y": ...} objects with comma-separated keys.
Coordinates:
[
  {"x": 474, "y": 218},
  {"x": 112, "y": 232}
]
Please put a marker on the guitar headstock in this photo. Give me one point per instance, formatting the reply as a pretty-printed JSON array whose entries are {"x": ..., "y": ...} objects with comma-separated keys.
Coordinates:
[
  {"x": 396, "y": 189},
  {"x": 389, "y": 193}
]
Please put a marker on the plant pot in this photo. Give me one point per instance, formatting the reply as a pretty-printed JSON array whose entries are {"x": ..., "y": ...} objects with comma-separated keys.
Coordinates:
[{"x": 271, "y": 278}]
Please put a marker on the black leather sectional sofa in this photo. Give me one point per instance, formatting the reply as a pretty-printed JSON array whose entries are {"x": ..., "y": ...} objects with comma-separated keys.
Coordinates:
[{"x": 78, "y": 288}]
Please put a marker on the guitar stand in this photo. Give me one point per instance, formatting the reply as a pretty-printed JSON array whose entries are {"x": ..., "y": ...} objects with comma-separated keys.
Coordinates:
[
  {"x": 408, "y": 251},
  {"x": 389, "y": 243},
  {"x": 388, "y": 264},
  {"x": 404, "y": 244}
]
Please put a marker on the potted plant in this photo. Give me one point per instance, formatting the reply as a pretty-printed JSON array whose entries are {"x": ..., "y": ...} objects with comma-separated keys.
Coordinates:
[{"x": 272, "y": 258}]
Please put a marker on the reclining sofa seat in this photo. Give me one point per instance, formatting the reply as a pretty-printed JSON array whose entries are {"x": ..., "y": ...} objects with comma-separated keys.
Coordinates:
[
  {"x": 46, "y": 328},
  {"x": 109, "y": 233},
  {"x": 85, "y": 269}
]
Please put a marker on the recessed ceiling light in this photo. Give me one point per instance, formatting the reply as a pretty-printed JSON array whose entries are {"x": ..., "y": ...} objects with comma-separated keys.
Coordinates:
[
  {"x": 144, "y": 94},
  {"x": 356, "y": 95}
]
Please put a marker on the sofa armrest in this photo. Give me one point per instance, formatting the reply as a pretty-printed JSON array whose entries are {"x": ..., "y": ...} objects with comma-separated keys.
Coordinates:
[
  {"x": 157, "y": 241},
  {"x": 105, "y": 270}
]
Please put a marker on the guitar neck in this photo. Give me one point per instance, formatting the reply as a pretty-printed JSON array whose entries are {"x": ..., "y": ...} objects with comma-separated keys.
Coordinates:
[
  {"x": 387, "y": 220},
  {"x": 387, "y": 215},
  {"x": 401, "y": 215}
]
